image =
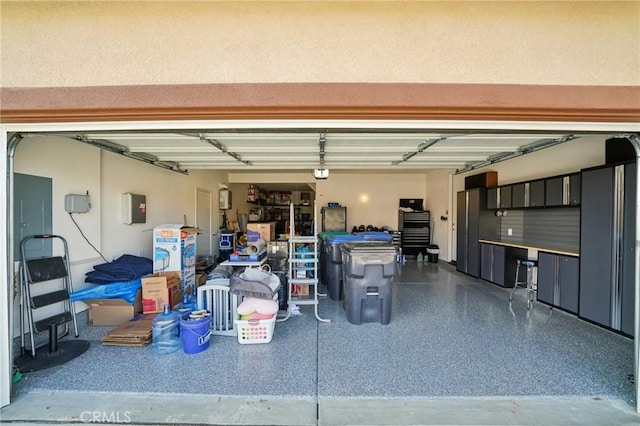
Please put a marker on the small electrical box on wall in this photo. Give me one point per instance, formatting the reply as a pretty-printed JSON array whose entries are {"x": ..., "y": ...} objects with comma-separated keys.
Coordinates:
[
  {"x": 77, "y": 203},
  {"x": 134, "y": 208},
  {"x": 225, "y": 199}
]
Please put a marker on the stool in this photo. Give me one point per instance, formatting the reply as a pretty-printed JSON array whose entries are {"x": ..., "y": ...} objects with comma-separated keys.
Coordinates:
[{"x": 530, "y": 286}]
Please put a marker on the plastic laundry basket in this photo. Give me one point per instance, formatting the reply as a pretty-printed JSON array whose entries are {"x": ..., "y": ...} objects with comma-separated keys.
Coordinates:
[{"x": 255, "y": 331}]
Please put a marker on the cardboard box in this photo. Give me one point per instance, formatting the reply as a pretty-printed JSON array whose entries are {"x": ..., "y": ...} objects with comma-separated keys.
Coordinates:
[
  {"x": 161, "y": 289},
  {"x": 137, "y": 332},
  {"x": 113, "y": 311},
  {"x": 174, "y": 249},
  {"x": 267, "y": 230},
  {"x": 298, "y": 290},
  {"x": 201, "y": 279}
]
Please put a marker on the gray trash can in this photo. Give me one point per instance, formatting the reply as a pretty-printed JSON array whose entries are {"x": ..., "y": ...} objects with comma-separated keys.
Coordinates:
[
  {"x": 432, "y": 253},
  {"x": 333, "y": 263},
  {"x": 368, "y": 270},
  {"x": 323, "y": 250}
]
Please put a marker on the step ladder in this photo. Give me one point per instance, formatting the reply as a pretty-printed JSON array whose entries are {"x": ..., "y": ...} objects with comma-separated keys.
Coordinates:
[
  {"x": 303, "y": 267},
  {"x": 40, "y": 275}
]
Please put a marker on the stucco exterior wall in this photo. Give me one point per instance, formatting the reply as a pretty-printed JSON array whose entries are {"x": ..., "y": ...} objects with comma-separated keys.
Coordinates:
[{"x": 103, "y": 43}]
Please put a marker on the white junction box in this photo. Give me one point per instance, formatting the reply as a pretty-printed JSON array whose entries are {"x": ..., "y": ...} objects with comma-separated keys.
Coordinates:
[
  {"x": 77, "y": 203},
  {"x": 224, "y": 199},
  {"x": 134, "y": 208}
]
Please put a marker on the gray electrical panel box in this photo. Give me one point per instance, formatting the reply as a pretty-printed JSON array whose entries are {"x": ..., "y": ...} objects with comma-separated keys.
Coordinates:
[
  {"x": 134, "y": 208},
  {"x": 77, "y": 203}
]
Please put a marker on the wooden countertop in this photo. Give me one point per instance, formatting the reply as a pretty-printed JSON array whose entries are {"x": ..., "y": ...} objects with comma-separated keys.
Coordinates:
[{"x": 562, "y": 251}]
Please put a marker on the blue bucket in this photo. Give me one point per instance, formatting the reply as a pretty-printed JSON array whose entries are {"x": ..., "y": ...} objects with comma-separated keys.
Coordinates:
[
  {"x": 196, "y": 335},
  {"x": 226, "y": 241}
]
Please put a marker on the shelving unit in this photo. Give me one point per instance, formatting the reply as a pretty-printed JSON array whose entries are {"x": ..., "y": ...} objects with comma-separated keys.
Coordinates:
[
  {"x": 280, "y": 214},
  {"x": 303, "y": 270},
  {"x": 275, "y": 206}
]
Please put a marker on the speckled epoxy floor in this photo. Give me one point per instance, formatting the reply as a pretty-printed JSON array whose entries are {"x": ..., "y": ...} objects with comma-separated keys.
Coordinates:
[{"x": 450, "y": 336}]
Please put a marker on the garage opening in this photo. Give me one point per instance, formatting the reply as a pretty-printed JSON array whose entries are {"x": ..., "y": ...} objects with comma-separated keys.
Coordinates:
[{"x": 428, "y": 299}]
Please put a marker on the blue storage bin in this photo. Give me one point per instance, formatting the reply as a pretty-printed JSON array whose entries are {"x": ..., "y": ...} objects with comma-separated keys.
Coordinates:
[{"x": 376, "y": 236}]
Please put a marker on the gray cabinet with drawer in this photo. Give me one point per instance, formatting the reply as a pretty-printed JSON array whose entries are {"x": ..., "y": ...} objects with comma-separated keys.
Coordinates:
[
  {"x": 498, "y": 264},
  {"x": 558, "y": 280}
]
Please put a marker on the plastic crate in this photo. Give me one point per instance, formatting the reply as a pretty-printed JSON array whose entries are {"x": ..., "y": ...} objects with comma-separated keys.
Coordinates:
[{"x": 255, "y": 331}]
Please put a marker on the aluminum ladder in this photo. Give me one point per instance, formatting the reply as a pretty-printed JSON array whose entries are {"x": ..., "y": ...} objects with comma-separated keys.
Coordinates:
[{"x": 303, "y": 267}]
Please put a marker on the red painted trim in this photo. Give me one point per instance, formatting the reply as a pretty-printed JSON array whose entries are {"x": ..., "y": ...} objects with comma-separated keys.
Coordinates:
[{"x": 322, "y": 101}]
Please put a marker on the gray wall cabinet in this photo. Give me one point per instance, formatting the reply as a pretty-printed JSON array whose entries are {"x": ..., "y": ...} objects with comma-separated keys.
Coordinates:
[
  {"x": 492, "y": 198},
  {"x": 499, "y": 198},
  {"x": 536, "y": 193},
  {"x": 518, "y": 195},
  {"x": 559, "y": 281},
  {"x": 563, "y": 190},
  {"x": 504, "y": 199},
  {"x": 607, "y": 252},
  {"x": 575, "y": 184},
  {"x": 554, "y": 191}
]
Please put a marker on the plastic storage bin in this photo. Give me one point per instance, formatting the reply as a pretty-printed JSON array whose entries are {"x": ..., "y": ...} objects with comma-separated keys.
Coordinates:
[
  {"x": 322, "y": 237},
  {"x": 333, "y": 260},
  {"x": 368, "y": 270},
  {"x": 255, "y": 331},
  {"x": 376, "y": 236}
]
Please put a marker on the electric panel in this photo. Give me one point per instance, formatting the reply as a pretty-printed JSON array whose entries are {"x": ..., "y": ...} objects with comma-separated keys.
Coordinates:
[
  {"x": 225, "y": 199},
  {"x": 134, "y": 208}
]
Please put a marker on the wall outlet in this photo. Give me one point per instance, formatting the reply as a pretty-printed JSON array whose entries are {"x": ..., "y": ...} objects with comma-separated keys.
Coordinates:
[{"x": 509, "y": 231}]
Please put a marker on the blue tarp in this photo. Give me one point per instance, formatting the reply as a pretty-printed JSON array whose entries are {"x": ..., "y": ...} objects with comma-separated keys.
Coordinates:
[
  {"x": 126, "y": 268},
  {"x": 118, "y": 290}
]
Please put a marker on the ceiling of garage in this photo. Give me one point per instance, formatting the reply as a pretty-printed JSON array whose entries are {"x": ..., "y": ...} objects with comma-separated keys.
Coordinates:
[{"x": 290, "y": 150}]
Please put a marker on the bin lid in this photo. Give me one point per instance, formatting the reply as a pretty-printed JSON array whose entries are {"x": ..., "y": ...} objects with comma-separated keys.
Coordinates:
[
  {"x": 376, "y": 236},
  {"x": 368, "y": 247},
  {"x": 326, "y": 234},
  {"x": 339, "y": 239}
]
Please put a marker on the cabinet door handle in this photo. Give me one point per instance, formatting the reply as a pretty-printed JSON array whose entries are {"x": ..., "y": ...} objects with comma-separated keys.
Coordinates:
[{"x": 566, "y": 190}]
